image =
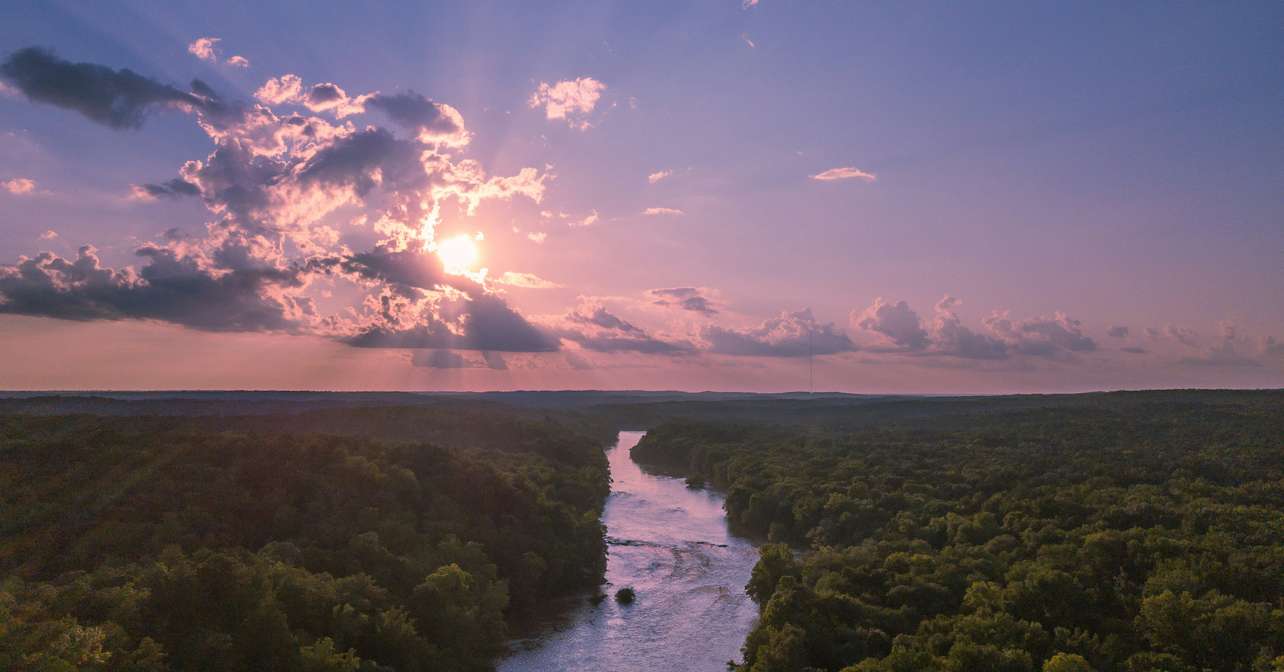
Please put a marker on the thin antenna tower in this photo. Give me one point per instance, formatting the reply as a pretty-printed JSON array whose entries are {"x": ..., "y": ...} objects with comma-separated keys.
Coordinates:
[{"x": 811, "y": 367}]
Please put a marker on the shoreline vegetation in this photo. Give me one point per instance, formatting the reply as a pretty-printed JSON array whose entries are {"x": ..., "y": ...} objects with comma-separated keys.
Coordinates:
[
  {"x": 287, "y": 543},
  {"x": 1135, "y": 532}
]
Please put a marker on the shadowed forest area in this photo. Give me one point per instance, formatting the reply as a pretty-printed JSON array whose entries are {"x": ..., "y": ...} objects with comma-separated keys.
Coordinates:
[
  {"x": 352, "y": 539},
  {"x": 1139, "y": 532}
]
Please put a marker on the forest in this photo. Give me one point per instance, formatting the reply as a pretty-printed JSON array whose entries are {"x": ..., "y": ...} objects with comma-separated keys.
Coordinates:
[
  {"x": 344, "y": 539},
  {"x": 1134, "y": 532}
]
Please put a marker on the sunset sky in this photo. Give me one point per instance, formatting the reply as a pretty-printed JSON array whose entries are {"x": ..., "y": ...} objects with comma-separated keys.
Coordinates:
[{"x": 926, "y": 197}]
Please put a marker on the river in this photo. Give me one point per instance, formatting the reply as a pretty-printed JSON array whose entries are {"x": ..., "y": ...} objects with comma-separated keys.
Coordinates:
[{"x": 672, "y": 545}]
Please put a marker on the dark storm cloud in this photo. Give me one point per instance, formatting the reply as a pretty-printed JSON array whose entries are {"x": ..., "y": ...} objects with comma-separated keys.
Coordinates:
[
  {"x": 175, "y": 188},
  {"x": 116, "y": 98},
  {"x": 790, "y": 335},
  {"x": 169, "y": 288},
  {"x": 412, "y": 110},
  {"x": 686, "y": 298}
]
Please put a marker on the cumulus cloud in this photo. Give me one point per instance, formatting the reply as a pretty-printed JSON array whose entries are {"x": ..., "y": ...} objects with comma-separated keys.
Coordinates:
[
  {"x": 238, "y": 61},
  {"x": 895, "y": 321},
  {"x": 49, "y": 234},
  {"x": 271, "y": 182},
  {"x": 19, "y": 186},
  {"x": 748, "y": 40},
  {"x": 658, "y": 175},
  {"x": 900, "y": 326},
  {"x": 537, "y": 237},
  {"x": 662, "y": 212},
  {"x": 951, "y": 337},
  {"x": 204, "y": 48},
  {"x": 280, "y": 90},
  {"x": 595, "y": 328},
  {"x": 686, "y": 298},
  {"x": 571, "y": 100},
  {"x": 432, "y": 122},
  {"x": 844, "y": 173},
  {"x": 1040, "y": 336},
  {"x": 790, "y": 335}
]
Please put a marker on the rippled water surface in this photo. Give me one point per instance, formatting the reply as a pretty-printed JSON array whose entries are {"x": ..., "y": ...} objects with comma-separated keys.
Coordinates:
[{"x": 672, "y": 545}]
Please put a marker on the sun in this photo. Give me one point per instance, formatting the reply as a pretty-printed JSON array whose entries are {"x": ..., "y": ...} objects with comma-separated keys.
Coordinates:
[{"x": 459, "y": 255}]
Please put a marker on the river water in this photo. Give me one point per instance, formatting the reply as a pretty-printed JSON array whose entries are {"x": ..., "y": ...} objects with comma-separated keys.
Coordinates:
[{"x": 671, "y": 544}]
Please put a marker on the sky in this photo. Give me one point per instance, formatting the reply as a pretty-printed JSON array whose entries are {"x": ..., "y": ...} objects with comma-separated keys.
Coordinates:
[{"x": 917, "y": 197}]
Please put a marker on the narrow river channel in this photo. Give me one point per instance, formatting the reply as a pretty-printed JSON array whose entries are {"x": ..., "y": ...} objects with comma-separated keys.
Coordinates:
[{"x": 672, "y": 545}]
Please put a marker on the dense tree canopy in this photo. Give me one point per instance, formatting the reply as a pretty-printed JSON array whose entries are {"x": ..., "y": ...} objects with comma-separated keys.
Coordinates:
[
  {"x": 1140, "y": 533},
  {"x": 284, "y": 542}
]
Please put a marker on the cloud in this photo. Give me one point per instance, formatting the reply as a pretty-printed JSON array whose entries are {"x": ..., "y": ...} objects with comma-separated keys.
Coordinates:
[
  {"x": 1040, "y": 336},
  {"x": 1133, "y": 350},
  {"x": 238, "y": 61},
  {"x": 526, "y": 280},
  {"x": 951, "y": 337},
  {"x": 662, "y": 212},
  {"x": 479, "y": 322},
  {"x": 589, "y": 220},
  {"x": 280, "y": 90},
  {"x": 790, "y": 335},
  {"x": 19, "y": 186},
  {"x": 270, "y": 183},
  {"x": 204, "y": 48},
  {"x": 658, "y": 175},
  {"x": 572, "y": 100},
  {"x": 844, "y": 173},
  {"x": 49, "y": 234},
  {"x": 116, "y": 98},
  {"x": 172, "y": 287},
  {"x": 175, "y": 188},
  {"x": 686, "y": 298},
  {"x": 749, "y": 41},
  {"x": 1233, "y": 349},
  {"x": 895, "y": 321},
  {"x": 746, "y": 4},
  {"x": 1118, "y": 331},
  {"x": 433, "y": 122},
  {"x": 537, "y": 237},
  {"x": 595, "y": 328}
]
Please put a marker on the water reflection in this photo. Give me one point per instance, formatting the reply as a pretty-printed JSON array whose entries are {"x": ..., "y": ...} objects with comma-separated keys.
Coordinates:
[{"x": 671, "y": 544}]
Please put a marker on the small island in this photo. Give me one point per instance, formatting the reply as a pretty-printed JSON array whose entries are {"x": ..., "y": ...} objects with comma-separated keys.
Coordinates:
[{"x": 625, "y": 595}]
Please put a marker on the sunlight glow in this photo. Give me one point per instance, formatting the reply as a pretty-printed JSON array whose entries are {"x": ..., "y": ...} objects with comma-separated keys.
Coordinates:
[{"x": 459, "y": 255}]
